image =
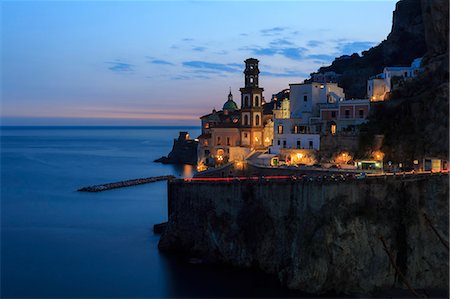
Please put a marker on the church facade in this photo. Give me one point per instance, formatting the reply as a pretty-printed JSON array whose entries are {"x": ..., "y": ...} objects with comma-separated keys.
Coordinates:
[{"x": 232, "y": 133}]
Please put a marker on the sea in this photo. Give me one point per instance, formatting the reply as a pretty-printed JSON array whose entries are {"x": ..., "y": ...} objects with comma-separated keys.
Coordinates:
[{"x": 60, "y": 243}]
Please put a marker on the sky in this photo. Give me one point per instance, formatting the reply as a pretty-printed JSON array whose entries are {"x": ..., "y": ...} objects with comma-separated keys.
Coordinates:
[{"x": 166, "y": 62}]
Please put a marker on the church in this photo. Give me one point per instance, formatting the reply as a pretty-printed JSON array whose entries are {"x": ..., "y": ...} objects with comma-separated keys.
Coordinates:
[{"x": 231, "y": 134}]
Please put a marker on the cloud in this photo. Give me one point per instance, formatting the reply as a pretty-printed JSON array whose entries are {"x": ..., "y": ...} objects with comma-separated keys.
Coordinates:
[
  {"x": 286, "y": 73},
  {"x": 160, "y": 61},
  {"x": 281, "y": 42},
  {"x": 120, "y": 67},
  {"x": 314, "y": 43},
  {"x": 349, "y": 48},
  {"x": 272, "y": 31},
  {"x": 321, "y": 57},
  {"x": 204, "y": 65},
  {"x": 293, "y": 53},
  {"x": 199, "y": 49}
]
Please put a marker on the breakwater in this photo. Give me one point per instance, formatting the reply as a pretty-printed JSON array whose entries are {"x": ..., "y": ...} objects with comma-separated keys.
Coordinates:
[
  {"x": 127, "y": 183},
  {"x": 351, "y": 236}
]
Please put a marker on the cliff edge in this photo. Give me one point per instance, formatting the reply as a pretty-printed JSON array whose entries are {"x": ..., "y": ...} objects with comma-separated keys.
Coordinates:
[{"x": 318, "y": 237}]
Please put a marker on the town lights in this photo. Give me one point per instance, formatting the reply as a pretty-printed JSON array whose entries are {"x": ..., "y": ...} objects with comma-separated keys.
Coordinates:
[{"x": 299, "y": 156}]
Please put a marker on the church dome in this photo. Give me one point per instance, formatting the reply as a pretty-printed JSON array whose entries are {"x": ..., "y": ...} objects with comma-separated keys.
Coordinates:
[{"x": 230, "y": 105}]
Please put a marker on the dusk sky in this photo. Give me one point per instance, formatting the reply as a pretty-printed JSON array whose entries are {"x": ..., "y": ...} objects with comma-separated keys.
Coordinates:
[{"x": 166, "y": 63}]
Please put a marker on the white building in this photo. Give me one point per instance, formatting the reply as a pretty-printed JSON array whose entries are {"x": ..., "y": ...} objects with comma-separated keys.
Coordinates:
[
  {"x": 298, "y": 132},
  {"x": 380, "y": 85}
]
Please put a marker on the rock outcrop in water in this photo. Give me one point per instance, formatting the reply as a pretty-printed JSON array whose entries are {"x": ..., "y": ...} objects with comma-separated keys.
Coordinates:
[
  {"x": 184, "y": 151},
  {"x": 317, "y": 237}
]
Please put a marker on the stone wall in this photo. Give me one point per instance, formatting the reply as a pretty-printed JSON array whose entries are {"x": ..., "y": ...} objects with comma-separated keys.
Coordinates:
[{"x": 317, "y": 236}]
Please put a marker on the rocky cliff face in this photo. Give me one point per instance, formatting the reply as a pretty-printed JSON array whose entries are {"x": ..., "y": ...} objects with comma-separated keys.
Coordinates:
[
  {"x": 405, "y": 43},
  {"x": 415, "y": 121},
  {"x": 317, "y": 237}
]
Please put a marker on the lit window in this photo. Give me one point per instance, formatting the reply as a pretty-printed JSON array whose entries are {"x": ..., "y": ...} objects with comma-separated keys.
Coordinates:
[
  {"x": 295, "y": 129},
  {"x": 333, "y": 129},
  {"x": 280, "y": 129}
]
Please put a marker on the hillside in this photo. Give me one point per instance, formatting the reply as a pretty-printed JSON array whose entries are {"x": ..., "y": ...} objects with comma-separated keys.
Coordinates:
[{"x": 405, "y": 42}]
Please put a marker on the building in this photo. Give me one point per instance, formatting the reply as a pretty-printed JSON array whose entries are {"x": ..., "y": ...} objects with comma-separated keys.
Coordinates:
[
  {"x": 316, "y": 109},
  {"x": 220, "y": 132},
  {"x": 232, "y": 133},
  {"x": 380, "y": 85},
  {"x": 324, "y": 77},
  {"x": 251, "y": 107}
]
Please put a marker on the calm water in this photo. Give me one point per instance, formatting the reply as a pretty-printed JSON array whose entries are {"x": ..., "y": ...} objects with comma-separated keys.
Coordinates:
[{"x": 56, "y": 242}]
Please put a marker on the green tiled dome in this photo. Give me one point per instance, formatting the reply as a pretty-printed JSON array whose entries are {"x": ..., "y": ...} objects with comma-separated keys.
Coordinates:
[{"x": 230, "y": 105}]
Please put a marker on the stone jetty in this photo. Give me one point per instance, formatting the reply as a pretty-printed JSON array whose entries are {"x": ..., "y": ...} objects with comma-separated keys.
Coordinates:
[{"x": 122, "y": 184}]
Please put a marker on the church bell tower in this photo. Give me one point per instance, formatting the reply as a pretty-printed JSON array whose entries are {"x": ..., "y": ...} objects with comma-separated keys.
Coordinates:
[{"x": 251, "y": 106}]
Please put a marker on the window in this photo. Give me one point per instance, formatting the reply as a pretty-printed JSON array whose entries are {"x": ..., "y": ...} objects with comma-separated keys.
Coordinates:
[
  {"x": 245, "y": 135},
  {"x": 361, "y": 113},
  {"x": 347, "y": 113},
  {"x": 206, "y": 125},
  {"x": 257, "y": 120},
  {"x": 333, "y": 129},
  {"x": 218, "y": 141},
  {"x": 246, "y": 101},
  {"x": 228, "y": 140},
  {"x": 298, "y": 143},
  {"x": 280, "y": 129},
  {"x": 251, "y": 79},
  {"x": 311, "y": 144},
  {"x": 305, "y": 98},
  {"x": 333, "y": 114},
  {"x": 369, "y": 87},
  {"x": 295, "y": 129},
  {"x": 406, "y": 74},
  {"x": 257, "y": 101},
  {"x": 246, "y": 120},
  {"x": 278, "y": 141},
  {"x": 284, "y": 143}
]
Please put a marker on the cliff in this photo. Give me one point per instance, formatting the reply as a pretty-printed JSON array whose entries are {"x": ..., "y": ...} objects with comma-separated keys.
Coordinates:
[
  {"x": 184, "y": 151},
  {"x": 317, "y": 237},
  {"x": 405, "y": 42},
  {"x": 415, "y": 121}
]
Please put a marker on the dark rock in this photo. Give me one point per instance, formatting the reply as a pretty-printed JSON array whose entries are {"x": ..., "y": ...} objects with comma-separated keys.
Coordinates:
[
  {"x": 184, "y": 151},
  {"x": 159, "y": 228},
  {"x": 317, "y": 237}
]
